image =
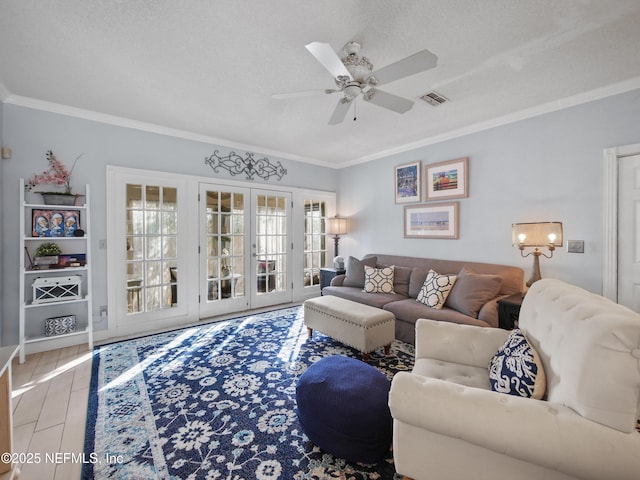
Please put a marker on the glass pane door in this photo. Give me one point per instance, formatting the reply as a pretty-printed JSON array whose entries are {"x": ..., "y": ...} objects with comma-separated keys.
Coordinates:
[
  {"x": 223, "y": 249},
  {"x": 152, "y": 248},
  {"x": 315, "y": 241},
  {"x": 271, "y": 248}
]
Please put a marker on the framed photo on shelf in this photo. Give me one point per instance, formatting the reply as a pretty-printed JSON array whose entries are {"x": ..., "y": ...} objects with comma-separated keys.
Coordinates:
[
  {"x": 408, "y": 186},
  {"x": 54, "y": 223},
  {"x": 447, "y": 179},
  {"x": 431, "y": 221}
]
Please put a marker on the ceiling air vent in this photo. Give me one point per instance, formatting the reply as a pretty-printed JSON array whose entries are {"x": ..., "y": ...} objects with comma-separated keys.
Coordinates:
[{"x": 434, "y": 98}]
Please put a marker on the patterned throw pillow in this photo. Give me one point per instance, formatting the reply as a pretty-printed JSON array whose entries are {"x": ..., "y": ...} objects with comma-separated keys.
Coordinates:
[
  {"x": 378, "y": 280},
  {"x": 435, "y": 289},
  {"x": 516, "y": 369}
]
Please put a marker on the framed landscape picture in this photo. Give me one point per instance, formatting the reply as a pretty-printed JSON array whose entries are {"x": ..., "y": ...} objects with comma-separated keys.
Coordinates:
[
  {"x": 408, "y": 186},
  {"x": 431, "y": 221},
  {"x": 447, "y": 179}
]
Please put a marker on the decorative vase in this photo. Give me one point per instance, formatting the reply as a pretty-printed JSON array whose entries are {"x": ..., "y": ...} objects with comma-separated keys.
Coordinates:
[{"x": 58, "y": 198}]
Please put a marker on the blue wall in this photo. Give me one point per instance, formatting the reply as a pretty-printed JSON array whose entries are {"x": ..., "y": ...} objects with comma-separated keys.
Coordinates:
[
  {"x": 545, "y": 168},
  {"x": 30, "y": 133},
  {"x": 548, "y": 167}
]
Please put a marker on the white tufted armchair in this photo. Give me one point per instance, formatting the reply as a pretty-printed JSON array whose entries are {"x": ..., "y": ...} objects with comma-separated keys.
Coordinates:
[{"x": 448, "y": 424}]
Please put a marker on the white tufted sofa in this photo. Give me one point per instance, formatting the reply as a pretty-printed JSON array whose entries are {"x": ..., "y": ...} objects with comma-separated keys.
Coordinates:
[{"x": 448, "y": 424}]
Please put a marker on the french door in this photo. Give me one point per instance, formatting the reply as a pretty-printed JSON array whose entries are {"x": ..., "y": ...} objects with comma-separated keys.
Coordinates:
[
  {"x": 224, "y": 244},
  {"x": 148, "y": 258},
  {"x": 271, "y": 248},
  {"x": 180, "y": 250},
  {"x": 245, "y": 247}
]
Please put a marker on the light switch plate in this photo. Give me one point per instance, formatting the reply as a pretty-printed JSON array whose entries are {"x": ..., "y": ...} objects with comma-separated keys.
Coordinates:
[{"x": 575, "y": 246}]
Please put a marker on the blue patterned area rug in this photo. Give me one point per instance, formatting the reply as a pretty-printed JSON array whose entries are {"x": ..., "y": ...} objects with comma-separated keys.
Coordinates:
[{"x": 216, "y": 401}]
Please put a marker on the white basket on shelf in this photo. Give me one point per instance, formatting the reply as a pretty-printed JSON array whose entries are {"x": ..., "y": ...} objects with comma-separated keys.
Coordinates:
[{"x": 56, "y": 289}]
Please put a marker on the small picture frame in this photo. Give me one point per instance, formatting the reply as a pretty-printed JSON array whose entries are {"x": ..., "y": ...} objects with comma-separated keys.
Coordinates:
[
  {"x": 54, "y": 223},
  {"x": 447, "y": 179},
  {"x": 431, "y": 221},
  {"x": 408, "y": 185}
]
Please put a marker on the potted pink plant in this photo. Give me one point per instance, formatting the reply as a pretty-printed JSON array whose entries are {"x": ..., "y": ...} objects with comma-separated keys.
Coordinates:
[{"x": 58, "y": 175}]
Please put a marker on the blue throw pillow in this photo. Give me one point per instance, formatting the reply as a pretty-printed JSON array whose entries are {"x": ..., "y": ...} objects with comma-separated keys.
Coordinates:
[{"x": 516, "y": 369}]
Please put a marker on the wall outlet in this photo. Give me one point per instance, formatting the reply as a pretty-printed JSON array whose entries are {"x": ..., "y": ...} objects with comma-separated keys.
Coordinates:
[
  {"x": 103, "y": 311},
  {"x": 575, "y": 246}
]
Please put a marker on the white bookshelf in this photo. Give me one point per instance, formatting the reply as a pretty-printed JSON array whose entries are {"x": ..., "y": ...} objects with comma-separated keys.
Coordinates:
[{"x": 33, "y": 315}]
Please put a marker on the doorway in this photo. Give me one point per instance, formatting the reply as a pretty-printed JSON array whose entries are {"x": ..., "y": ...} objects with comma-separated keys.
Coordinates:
[
  {"x": 629, "y": 232},
  {"x": 620, "y": 254}
]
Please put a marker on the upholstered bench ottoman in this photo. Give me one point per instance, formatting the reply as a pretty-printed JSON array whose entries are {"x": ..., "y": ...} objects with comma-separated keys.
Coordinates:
[
  {"x": 343, "y": 408},
  {"x": 359, "y": 326}
]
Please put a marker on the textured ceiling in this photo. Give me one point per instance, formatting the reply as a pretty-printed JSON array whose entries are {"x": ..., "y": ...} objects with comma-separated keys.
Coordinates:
[{"x": 208, "y": 69}]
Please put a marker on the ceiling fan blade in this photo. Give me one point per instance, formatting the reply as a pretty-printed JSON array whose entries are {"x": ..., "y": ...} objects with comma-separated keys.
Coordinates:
[
  {"x": 328, "y": 58},
  {"x": 416, "y": 63},
  {"x": 340, "y": 111},
  {"x": 388, "y": 100}
]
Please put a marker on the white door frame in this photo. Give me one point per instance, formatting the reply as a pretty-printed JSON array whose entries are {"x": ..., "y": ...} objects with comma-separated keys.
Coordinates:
[{"x": 612, "y": 158}]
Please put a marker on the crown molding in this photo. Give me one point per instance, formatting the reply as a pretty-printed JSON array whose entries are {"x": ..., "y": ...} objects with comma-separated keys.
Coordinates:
[
  {"x": 75, "y": 112},
  {"x": 597, "y": 94}
]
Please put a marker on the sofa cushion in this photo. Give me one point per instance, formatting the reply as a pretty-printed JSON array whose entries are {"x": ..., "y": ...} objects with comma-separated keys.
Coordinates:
[
  {"x": 356, "y": 294},
  {"x": 408, "y": 310},
  {"x": 435, "y": 289},
  {"x": 378, "y": 280},
  {"x": 355, "y": 271},
  {"x": 472, "y": 290},
  {"x": 516, "y": 368},
  {"x": 401, "y": 277}
]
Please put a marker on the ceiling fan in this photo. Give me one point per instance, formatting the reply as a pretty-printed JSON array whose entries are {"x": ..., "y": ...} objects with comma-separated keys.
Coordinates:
[{"x": 354, "y": 75}]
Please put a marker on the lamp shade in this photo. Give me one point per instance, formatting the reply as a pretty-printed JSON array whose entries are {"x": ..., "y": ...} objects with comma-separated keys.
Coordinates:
[
  {"x": 337, "y": 226},
  {"x": 539, "y": 234}
]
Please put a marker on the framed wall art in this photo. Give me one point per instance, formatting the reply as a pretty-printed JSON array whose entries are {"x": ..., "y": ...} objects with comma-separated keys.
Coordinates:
[
  {"x": 408, "y": 186},
  {"x": 431, "y": 221},
  {"x": 54, "y": 223},
  {"x": 447, "y": 179}
]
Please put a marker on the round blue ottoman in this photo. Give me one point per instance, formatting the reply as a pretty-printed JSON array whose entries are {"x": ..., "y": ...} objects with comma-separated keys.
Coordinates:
[{"x": 343, "y": 408}]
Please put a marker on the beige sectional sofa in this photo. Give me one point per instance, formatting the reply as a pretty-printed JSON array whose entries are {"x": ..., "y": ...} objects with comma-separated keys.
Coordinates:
[
  {"x": 450, "y": 424},
  {"x": 473, "y": 299}
]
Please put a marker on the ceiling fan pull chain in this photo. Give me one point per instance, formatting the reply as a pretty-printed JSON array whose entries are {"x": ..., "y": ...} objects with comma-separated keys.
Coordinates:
[{"x": 354, "y": 110}]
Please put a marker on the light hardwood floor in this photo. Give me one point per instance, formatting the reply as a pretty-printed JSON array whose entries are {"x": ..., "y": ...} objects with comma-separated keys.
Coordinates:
[{"x": 50, "y": 396}]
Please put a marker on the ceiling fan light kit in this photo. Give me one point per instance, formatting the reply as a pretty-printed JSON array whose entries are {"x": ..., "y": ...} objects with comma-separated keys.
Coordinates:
[{"x": 354, "y": 75}]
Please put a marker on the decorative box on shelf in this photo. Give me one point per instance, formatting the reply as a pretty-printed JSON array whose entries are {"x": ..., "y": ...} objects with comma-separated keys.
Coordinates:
[
  {"x": 60, "y": 325},
  {"x": 56, "y": 289},
  {"x": 45, "y": 262}
]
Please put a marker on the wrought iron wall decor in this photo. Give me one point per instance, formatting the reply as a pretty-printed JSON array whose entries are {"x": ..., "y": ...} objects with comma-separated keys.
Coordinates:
[{"x": 236, "y": 165}]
